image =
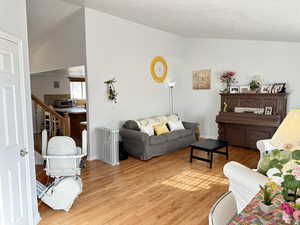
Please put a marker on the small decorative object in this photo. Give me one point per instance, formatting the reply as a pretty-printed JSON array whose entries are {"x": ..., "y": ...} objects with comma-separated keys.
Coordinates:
[
  {"x": 234, "y": 90},
  {"x": 268, "y": 110},
  {"x": 225, "y": 107},
  {"x": 266, "y": 204},
  {"x": 266, "y": 89},
  {"x": 111, "y": 90},
  {"x": 228, "y": 79},
  {"x": 201, "y": 79},
  {"x": 56, "y": 84},
  {"x": 245, "y": 89},
  {"x": 278, "y": 88},
  {"x": 159, "y": 69},
  {"x": 254, "y": 85}
]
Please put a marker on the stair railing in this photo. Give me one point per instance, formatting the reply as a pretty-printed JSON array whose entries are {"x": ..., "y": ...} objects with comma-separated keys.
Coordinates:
[{"x": 55, "y": 123}]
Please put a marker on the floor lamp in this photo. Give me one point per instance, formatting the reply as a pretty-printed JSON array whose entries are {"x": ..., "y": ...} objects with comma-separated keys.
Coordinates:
[{"x": 171, "y": 85}]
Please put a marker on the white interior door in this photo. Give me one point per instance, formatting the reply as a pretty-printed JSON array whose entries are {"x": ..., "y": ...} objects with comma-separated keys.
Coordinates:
[{"x": 14, "y": 166}]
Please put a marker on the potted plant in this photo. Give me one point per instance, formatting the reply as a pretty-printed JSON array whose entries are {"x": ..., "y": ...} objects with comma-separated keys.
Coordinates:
[
  {"x": 228, "y": 79},
  {"x": 255, "y": 85},
  {"x": 266, "y": 204}
]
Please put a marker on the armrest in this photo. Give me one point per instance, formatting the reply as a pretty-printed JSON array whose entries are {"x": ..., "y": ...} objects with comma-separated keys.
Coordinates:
[
  {"x": 265, "y": 146},
  {"x": 243, "y": 182},
  {"x": 133, "y": 134},
  {"x": 244, "y": 175},
  {"x": 190, "y": 125}
]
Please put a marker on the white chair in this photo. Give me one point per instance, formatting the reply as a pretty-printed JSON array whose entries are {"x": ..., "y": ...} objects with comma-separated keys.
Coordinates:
[
  {"x": 62, "y": 156},
  {"x": 223, "y": 210},
  {"x": 63, "y": 161}
]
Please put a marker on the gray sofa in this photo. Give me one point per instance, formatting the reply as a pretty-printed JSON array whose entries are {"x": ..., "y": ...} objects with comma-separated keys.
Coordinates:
[{"x": 144, "y": 147}]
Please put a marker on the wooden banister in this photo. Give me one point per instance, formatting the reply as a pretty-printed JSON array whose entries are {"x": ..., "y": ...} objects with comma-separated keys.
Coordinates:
[
  {"x": 65, "y": 120},
  {"x": 67, "y": 125}
]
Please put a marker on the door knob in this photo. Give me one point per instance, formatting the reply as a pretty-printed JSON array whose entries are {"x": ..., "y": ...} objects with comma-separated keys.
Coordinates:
[{"x": 23, "y": 152}]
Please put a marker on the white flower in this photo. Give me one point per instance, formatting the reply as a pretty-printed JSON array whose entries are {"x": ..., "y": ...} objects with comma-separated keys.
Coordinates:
[
  {"x": 276, "y": 179},
  {"x": 272, "y": 171}
]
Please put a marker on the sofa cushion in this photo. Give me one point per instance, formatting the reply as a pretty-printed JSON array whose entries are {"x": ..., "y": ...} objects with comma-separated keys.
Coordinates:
[
  {"x": 156, "y": 120},
  {"x": 161, "y": 129},
  {"x": 175, "y": 125},
  {"x": 174, "y": 135},
  {"x": 131, "y": 125},
  {"x": 179, "y": 134},
  {"x": 147, "y": 130},
  {"x": 154, "y": 140}
]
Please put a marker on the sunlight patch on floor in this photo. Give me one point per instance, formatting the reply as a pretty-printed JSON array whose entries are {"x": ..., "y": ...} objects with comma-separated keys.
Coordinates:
[{"x": 194, "y": 181}]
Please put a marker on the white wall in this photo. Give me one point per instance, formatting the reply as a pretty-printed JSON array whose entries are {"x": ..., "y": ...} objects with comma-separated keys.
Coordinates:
[
  {"x": 123, "y": 49},
  {"x": 274, "y": 61},
  {"x": 43, "y": 85},
  {"x": 61, "y": 47},
  {"x": 13, "y": 21}
]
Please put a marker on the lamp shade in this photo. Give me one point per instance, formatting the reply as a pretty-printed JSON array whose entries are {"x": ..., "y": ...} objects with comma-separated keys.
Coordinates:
[
  {"x": 288, "y": 133},
  {"x": 171, "y": 84}
]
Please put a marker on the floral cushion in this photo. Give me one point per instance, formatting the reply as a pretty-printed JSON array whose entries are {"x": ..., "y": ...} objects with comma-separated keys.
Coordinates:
[
  {"x": 274, "y": 159},
  {"x": 280, "y": 164}
]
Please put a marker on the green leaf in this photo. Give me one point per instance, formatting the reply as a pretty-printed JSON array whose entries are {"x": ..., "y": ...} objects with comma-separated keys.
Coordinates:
[
  {"x": 276, "y": 152},
  {"x": 277, "y": 174},
  {"x": 284, "y": 161},
  {"x": 296, "y": 155},
  {"x": 285, "y": 194},
  {"x": 290, "y": 182},
  {"x": 274, "y": 163},
  {"x": 279, "y": 166}
]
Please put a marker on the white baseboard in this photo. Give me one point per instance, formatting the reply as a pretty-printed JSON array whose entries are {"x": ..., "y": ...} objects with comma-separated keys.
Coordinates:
[{"x": 37, "y": 218}]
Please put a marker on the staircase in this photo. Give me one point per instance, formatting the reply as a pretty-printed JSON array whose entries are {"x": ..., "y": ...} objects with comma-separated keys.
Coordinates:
[{"x": 45, "y": 117}]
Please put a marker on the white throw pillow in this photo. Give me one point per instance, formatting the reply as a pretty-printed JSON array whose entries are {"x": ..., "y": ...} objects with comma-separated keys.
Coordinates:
[
  {"x": 175, "y": 125},
  {"x": 147, "y": 129}
]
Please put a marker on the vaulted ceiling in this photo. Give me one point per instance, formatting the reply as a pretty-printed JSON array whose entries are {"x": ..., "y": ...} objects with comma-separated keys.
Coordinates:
[
  {"x": 44, "y": 15},
  {"x": 277, "y": 20}
]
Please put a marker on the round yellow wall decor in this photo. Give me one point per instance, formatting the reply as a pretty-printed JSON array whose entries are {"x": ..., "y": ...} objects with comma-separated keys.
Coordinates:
[{"x": 159, "y": 69}]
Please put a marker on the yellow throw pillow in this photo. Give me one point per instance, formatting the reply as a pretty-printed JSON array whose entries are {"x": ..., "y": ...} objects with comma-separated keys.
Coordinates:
[{"x": 161, "y": 129}]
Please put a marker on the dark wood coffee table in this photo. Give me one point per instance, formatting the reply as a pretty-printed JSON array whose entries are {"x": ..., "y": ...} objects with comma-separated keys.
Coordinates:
[{"x": 210, "y": 146}]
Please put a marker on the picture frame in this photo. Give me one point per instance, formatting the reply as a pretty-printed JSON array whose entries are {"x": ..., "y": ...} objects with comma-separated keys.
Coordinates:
[
  {"x": 56, "y": 84},
  {"x": 268, "y": 110},
  {"x": 245, "y": 89},
  {"x": 266, "y": 89},
  {"x": 278, "y": 88},
  {"x": 201, "y": 79},
  {"x": 234, "y": 90}
]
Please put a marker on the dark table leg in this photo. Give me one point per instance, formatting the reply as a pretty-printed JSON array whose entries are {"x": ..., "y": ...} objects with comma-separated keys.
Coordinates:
[
  {"x": 191, "y": 155},
  {"x": 211, "y": 159},
  {"x": 227, "y": 154}
]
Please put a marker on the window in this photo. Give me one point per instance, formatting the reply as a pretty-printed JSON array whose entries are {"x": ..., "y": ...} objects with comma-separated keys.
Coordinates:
[{"x": 77, "y": 89}]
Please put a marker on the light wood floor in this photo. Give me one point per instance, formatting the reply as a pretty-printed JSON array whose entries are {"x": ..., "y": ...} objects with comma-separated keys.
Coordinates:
[{"x": 166, "y": 190}]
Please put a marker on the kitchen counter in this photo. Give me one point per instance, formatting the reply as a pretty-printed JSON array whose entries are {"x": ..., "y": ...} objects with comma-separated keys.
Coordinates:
[
  {"x": 71, "y": 110},
  {"x": 77, "y": 115}
]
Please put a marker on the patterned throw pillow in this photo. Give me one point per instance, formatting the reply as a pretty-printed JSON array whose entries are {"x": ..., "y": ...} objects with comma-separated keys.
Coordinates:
[
  {"x": 161, "y": 129},
  {"x": 147, "y": 129},
  {"x": 175, "y": 125}
]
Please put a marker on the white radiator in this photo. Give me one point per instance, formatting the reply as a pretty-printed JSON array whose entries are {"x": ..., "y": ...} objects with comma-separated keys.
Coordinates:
[{"x": 109, "y": 145}]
